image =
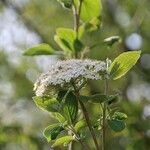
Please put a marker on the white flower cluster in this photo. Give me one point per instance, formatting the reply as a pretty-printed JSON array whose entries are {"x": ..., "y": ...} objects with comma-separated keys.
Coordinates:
[{"x": 63, "y": 72}]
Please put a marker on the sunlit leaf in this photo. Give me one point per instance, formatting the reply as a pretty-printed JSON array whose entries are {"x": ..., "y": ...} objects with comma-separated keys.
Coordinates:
[
  {"x": 90, "y": 9},
  {"x": 90, "y": 26},
  {"x": 67, "y": 40},
  {"x": 123, "y": 63},
  {"x": 60, "y": 118},
  {"x": 80, "y": 125},
  {"x": 119, "y": 116},
  {"x": 62, "y": 140},
  {"x": 41, "y": 49},
  {"x": 46, "y": 103}
]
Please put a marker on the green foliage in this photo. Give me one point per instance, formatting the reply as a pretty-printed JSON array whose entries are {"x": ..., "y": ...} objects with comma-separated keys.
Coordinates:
[
  {"x": 59, "y": 117},
  {"x": 80, "y": 125},
  {"x": 70, "y": 109},
  {"x": 47, "y": 103},
  {"x": 67, "y": 40},
  {"x": 92, "y": 25},
  {"x": 52, "y": 131},
  {"x": 119, "y": 116},
  {"x": 116, "y": 125},
  {"x": 61, "y": 95},
  {"x": 123, "y": 63},
  {"x": 90, "y": 9},
  {"x": 41, "y": 49},
  {"x": 62, "y": 140},
  {"x": 113, "y": 99}
]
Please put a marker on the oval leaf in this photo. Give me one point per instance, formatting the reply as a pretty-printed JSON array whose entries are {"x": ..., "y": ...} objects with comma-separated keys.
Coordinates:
[
  {"x": 70, "y": 107},
  {"x": 41, "y": 49},
  {"x": 46, "y": 103},
  {"x": 123, "y": 63},
  {"x": 60, "y": 118},
  {"x": 66, "y": 39},
  {"x": 116, "y": 125},
  {"x": 119, "y": 116},
  {"x": 52, "y": 131},
  {"x": 62, "y": 140},
  {"x": 80, "y": 125},
  {"x": 90, "y": 9}
]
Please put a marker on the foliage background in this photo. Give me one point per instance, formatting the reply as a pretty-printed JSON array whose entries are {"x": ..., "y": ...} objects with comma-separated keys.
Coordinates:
[{"x": 25, "y": 23}]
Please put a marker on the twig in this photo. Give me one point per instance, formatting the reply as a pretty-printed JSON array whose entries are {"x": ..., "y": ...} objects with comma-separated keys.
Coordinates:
[{"x": 104, "y": 118}]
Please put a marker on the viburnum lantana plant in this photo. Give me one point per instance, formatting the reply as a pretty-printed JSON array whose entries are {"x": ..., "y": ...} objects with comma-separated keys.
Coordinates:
[{"x": 59, "y": 91}]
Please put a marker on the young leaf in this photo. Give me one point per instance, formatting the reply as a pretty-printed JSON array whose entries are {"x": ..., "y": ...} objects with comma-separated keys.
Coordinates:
[
  {"x": 119, "y": 116},
  {"x": 66, "y": 39},
  {"x": 62, "y": 140},
  {"x": 123, "y": 63},
  {"x": 70, "y": 107},
  {"x": 59, "y": 117},
  {"x": 80, "y": 125},
  {"x": 52, "y": 131},
  {"x": 112, "y": 40},
  {"x": 116, "y": 125},
  {"x": 90, "y": 9},
  {"x": 46, "y": 103},
  {"x": 41, "y": 49},
  {"x": 90, "y": 26}
]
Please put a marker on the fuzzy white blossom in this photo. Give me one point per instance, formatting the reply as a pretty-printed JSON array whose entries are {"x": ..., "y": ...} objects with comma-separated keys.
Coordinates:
[{"x": 64, "y": 72}]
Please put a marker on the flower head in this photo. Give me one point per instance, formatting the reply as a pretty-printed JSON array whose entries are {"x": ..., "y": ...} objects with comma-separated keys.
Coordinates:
[{"x": 63, "y": 73}]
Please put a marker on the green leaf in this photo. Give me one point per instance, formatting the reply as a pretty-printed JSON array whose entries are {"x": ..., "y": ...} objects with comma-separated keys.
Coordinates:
[
  {"x": 41, "y": 49},
  {"x": 70, "y": 108},
  {"x": 62, "y": 140},
  {"x": 46, "y": 103},
  {"x": 61, "y": 95},
  {"x": 113, "y": 99},
  {"x": 90, "y": 9},
  {"x": 52, "y": 131},
  {"x": 112, "y": 40},
  {"x": 90, "y": 26},
  {"x": 123, "y": 63},
  {"x": 119, "y": 116},
  {"x": 59, "y": 117},
  {"x": 84, "y": 98},
  {"x": 116, "y": 125},
  {"x": 66, "y": 39},
  {"x": 80, "y": 125}
]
